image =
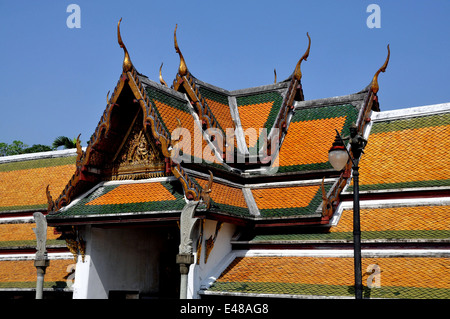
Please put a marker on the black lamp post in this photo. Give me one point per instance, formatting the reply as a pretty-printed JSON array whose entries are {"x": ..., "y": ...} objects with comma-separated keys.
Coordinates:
[{"x": 338, "y": 156}]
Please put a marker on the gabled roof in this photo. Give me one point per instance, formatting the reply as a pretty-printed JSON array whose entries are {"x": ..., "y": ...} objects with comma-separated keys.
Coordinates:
[
  {"x": 312, "y": 130},
  {"x": 135, "y": 199},
  {"x": 396, "y": 220},
  {"x": 299, "y": 134}
]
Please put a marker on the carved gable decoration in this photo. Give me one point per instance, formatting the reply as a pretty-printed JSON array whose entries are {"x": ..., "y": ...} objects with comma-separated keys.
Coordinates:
[{"x": 138, "y": 157}]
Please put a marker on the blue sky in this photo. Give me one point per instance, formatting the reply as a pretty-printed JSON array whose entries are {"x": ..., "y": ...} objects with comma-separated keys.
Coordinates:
[{"x": 54, "y": 79}]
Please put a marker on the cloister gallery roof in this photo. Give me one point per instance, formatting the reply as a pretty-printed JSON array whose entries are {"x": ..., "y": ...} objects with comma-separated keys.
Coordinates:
[{"x": 137, "y": 167}]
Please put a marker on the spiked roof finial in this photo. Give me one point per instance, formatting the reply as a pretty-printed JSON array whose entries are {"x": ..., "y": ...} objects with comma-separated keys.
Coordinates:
[
  {"x": 182, "y": 69},
  {"x": 297, "y": 72},
  {"x": 161, "y": 80},
  {"x": 127, "y": 65},
  {"x": 375, "y": 87}
]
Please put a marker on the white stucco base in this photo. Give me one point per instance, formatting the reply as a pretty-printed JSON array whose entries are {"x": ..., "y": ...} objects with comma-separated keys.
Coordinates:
[{"x": 222, "y": 248}]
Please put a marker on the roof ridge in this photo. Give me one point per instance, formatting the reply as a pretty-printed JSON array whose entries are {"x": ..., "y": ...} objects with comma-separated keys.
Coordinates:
[
  {"x": 416, "y": 111},
  {"x": 343, "y": 99},
  {"x": 146, "y": 81},
  {"x": 39, "y": 155}
]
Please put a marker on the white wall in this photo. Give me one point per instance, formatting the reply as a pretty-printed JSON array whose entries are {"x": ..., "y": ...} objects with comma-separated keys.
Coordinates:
[
  {"x": 222, "y": 248},
  {"x": 119, "y": 259}
]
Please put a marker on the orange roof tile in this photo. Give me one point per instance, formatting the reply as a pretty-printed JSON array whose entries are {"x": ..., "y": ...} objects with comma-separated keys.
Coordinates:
[
  {"x": 308, "y": 142},
  {"x": 397, "y": 218},
  {"x": 26, "y": 187},
  {"x": 395, "y": 271},
  {"x": 170, "y": 115},
  {"x": 24, "y": 231},
  {"x": 409, "y": 155},
  {"x": 222, "y": 113},
  {"x": 134, "y": 193},
  {"x": 191, "y": 144},
  {"x": 21, "y": 271},
  {"x": 223, "y": 194},
  {"x": 253, "y": 117}
]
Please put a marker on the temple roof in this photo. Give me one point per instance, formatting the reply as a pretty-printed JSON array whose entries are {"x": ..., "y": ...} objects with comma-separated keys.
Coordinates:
[
  {"x": 128, "y": 198},
  {"x": 294, "y": 276},
  {"x": 24, "y": 277},
  {"x": 23, "y": 179},
  {"x": 408, "y": 150},
  {"x": 246, "y": 136},
  {"x": 404, "y": 204}
]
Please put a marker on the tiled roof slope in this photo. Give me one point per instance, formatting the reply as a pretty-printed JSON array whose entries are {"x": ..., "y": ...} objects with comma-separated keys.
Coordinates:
[
  {"x": 409, "y": 151},
  {"x": 171, "y": 107},
  {"x": 219, "y": 105},
  {"x": 117, "y": 198},
  {"x": 227, "y": 199},
  {"x": 310, "y": 135},
  {"x": 20, "y": 274},
  {"x": 387, "y": 224},
  {"x": 21, "y": 235},
  {"x": 23, "y": 179},
  {"x": 311, "y": 129},
  {"x": 253, "y": 108},
  {"x": 268, "y": 201},
  {"x": 290, "y": 200},
  {"x": 258, "y": 111},
  {"x": 400, "y": 277}
]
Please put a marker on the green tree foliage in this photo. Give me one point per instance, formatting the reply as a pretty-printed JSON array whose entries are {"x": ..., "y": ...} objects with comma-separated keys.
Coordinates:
[
  {"x": 65, "y": 142},
  {"x": 18, "y": 147},
  {"x": 37, "y": 148},
  {"x": 15, "y": 148}
]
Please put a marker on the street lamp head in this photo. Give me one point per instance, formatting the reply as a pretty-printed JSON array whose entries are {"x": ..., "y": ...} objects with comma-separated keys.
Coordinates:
[{"x": 337, "y": 155}]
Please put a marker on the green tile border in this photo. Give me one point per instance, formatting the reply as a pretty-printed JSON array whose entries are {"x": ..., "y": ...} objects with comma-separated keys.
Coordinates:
[
  {"x": 32, "y": 284},
  {"x": 37, "y": 163},
  {"x": 24, "y": 208},
  {"x": 410, "y": 124},
  {"x": 81, "y": 209},
  {"x": 329, "y": 290},
  {"x": 365, "y": 235},
  {"x": 213, "y": 95},
  {"x": 348, "y": 111},
  {"x": 31, "y": 243},
  {"x": 416, "y": 184},
  {"x": 297, "y": 211}
]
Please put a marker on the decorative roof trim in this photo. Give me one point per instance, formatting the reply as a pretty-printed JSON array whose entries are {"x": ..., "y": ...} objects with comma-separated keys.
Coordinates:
[
  {"x": 411, "y": 112},
  {"x": 182, "y": 69},
  {"x": 130, "y": 75},
  {"x": 38, "y": 156},
  {"x": 363, "y": 123},
  {"x": 161, "y": 80},
  {"x": 192, "y": 190},
  {"x": 127, "y": 65},
  {"x": 298, "y": 72},
  {"x": 355, "y": 99}
]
